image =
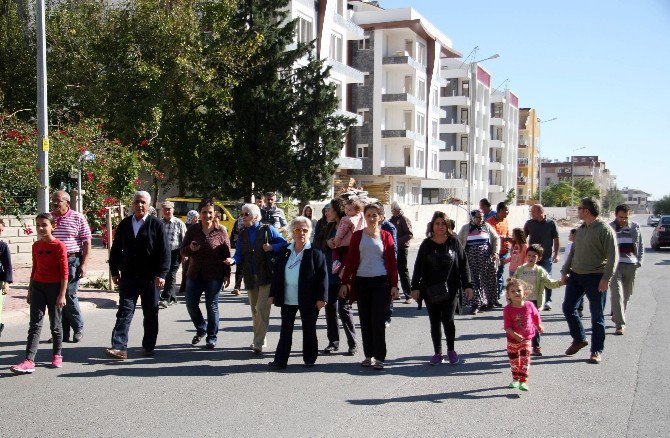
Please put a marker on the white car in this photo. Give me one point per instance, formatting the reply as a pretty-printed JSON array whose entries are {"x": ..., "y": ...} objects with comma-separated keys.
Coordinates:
[{"x": 652, "y": 220}]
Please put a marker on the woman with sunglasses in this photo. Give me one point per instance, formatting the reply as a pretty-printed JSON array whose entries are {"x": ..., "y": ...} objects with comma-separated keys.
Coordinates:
[
  {"x": 300, "y": 284},
  {"x": 207, "y": 246},
  {"x": 482, "y": 244}
]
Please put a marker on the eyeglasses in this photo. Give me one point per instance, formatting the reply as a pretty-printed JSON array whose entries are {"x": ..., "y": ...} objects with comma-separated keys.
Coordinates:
[
  {"x": 303, "y": 230},
  {"x": 246, "y": 213}
]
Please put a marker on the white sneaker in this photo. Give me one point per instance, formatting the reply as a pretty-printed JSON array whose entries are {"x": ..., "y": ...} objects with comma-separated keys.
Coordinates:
[{"x": 547, "y": 306}]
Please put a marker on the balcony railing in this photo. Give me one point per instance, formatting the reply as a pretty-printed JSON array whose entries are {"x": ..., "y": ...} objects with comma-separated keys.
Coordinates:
[
  {"x": 402, "y": 133},
  {"x": 353, "y": 75},
  {"x": 403, "y": 60},
  {"x": 354, "y": 31},
  {"x": 402, "y": 97}
]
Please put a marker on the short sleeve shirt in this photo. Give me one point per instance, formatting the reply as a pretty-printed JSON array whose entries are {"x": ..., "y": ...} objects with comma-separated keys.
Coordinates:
[
  {"x": 544, "y": 233},
  {"x": 72, "y": 229}
]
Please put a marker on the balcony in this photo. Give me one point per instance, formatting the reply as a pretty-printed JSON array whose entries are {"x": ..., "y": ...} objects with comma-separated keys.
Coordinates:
[
  {"x": 352, "y": 75},
  {"x": 445, "y": 183},
  {"x": 435, "y": 174},
  {"x": 436, "y": 142},
  {"x": 522, "y": 180},
  {"x": 400, "y": 60},
  {"x": 404, "y": 171},
  {"x": 402, "y": 133},
  {"x": 497, "y": 121},
  {"x": 349, "y": 163},
  {"x": 522, "y": 162},
  {"x": 440, "y": 80},
  {"x": 455, "y": 73},
  {"x": 403, "y": 98},
  {"x": 494, "y": 165},
  {"x": 437, "y": 111},
  {"x": 354, "y": 31},
  {"x": 454, "y": 155},
  {"x": 359, "y": 118},
  {"x": 454, "y": 128},
  {"x": 495, "y": 188},
  {"x": 496, "y": 144},
  {"x": 455, "y": 101}
]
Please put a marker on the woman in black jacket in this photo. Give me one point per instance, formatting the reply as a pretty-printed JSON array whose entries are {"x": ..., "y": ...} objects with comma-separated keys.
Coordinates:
[
  {"x": 300, "y": 283},
  {"x": 441, "y": 261}
]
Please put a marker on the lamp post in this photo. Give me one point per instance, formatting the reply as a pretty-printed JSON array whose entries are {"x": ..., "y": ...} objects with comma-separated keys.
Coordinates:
[
  {"x": 42, "y": 116},
  {"x": 87, "y": 156},
  {"x": 472, "y": 122},
  {"x": 572, "y": 175},
  {"x": 539, "y": 157}
]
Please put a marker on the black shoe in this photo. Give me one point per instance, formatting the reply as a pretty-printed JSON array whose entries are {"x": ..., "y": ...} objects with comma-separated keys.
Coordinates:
[
  {"x": 474, "y": 311},
  {"x": 2, "y": 327},
  {"x": 147, "y": 353},
  {"x": 210, "y": 345},
  {"x": 275, "y": 366},
  {"x": 352, "y": 351},
  {"x": 332, "y": 347},
  {"x": 77, "y": 337},
  {"x": 309, "y": 364},
  {"x": 163, "y": 304},
  {"x": 196, "y": 340},
  {"x": 497, "y": 304}
]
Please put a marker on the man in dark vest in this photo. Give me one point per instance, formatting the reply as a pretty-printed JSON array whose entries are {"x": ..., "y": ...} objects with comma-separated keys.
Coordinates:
[
  {"x": 256, "y": 240},
  {"x": 139, "y": 261}
]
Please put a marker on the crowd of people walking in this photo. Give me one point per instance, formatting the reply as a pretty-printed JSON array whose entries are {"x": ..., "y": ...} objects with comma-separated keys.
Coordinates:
[{"x": 352, "y": 254}]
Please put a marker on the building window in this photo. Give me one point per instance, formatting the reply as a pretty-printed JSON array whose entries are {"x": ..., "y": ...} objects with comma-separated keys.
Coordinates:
[
  {"x": 434, "y": 132},
  {"x": 362, "y": 151},
  {"x": 365, "y": 113},
  {"x": 407, "y": 155},
  {"x": 340, "y": 7},
  {"x": 464, "y": 116},
  {"x": 434, "y": 162},
  {"x": 430, "y": 196},
  {"x": 420, "y": 123},
  {"x": 464, "y": 170},
  {"x": 421, "y": 49},
  {"x": 400, "y": 192},
  {"x": 434, "y": 98},
  {"x": 304, "y": 30},
  {"x": 364, "y": 44},
  {"x": 465, "y": 88},
  {"x": 416, "y": 194},
  {"x": 420, "y": 157},
  {"x": 338, "y": 91},
  {"x": 367, "y": 79},
  {"x": 336, "y": 47},
  {"x": 422, "y": 90},
  {"x": 464, "y": 143}
]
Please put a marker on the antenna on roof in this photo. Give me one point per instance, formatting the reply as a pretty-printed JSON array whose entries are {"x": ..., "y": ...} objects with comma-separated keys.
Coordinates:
[{"x": 473, "y": 54}]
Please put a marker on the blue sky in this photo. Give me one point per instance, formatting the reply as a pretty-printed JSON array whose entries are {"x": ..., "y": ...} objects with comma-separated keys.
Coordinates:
[{"x": 601, "y": 67}]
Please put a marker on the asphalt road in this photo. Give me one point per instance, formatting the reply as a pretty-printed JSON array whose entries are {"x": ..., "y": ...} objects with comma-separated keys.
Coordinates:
[{"x": 187, "y": 391}]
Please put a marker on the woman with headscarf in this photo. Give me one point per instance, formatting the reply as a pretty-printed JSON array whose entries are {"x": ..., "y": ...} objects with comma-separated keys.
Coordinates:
[
  {"x": 482, "y": 244},
  {"x": 300, "y": 284}
]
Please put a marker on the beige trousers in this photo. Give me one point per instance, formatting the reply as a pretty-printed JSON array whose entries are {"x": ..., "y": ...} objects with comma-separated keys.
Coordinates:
[
  {"x": 621, "y": 286},
  {"x": 260, "y": 313}
]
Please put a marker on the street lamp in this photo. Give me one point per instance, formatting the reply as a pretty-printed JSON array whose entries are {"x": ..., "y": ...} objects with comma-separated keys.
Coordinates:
[
  {"x": 87, "y": 156},
  {"x": 472, "y": 121},
  {"x": 539, "y": 157},
  {"x": 572, "y": 175}
]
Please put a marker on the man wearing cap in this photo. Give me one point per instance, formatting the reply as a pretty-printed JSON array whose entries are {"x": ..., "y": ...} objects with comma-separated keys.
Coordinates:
[
  {"x": 174, "y": 230},
  {"x": 72, "y": 229}
]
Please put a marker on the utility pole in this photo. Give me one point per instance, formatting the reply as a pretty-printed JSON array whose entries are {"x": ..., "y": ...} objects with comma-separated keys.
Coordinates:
[{"x": 42, "y": 116}]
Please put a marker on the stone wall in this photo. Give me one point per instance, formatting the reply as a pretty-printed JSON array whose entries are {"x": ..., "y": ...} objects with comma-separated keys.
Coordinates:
[{"x": 20, "y": 244}]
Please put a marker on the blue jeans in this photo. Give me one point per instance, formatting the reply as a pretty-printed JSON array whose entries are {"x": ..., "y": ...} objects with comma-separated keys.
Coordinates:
[
  {"x": 547, "y": 264},
  {"x": 578, "y": 285},
  {"x": 72, "y": 312},
  {"x": 194, "y": 290},
  {"x": 500, "y": 273}
]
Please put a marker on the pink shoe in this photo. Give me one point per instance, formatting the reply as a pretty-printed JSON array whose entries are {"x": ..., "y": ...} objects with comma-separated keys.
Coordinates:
[
  {"x": 25, "y": 367},
  {"x": 57, "y": 361}
]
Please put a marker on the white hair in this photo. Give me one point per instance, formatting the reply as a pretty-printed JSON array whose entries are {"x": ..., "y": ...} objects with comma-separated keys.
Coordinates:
[
  {"x": 396, "y": 206},
  {"x": 65, "y": 196},
  {"x": 253, "y": 209},
  {"x": 142, "y": 194},
  {"x": 302, "y": 220}
]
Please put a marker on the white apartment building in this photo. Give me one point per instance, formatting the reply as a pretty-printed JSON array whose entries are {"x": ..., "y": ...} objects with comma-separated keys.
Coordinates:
[
  {"x": 466, "y": 99},
  {"x": 636, "y": 199},
  {"x": 329, "y": 23},
  {"x": 399, "y": 142},
  {"x": 503, "y": 145}
]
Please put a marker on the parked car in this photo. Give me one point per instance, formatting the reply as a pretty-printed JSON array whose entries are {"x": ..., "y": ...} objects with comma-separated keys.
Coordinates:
[
  {"x": 652, "y": 220},
  {"x": 228, "y": 210},
  {"x": 661, "y": 234}
]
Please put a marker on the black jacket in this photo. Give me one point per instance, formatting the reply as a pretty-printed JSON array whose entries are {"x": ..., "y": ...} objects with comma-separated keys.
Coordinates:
[
  {"x": 313, "y": 279},
  {"x": 145, "y": 256}
]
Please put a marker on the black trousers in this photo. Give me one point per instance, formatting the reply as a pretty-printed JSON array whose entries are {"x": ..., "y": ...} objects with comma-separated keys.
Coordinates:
[
  {"x": 442, "y": 315},
  {"x": 403, "y": 272},
  {"x": 170, "y": 290},
  {"x": 43, "y": 298},
  {"x": 373, "y": 295},
  {"x": 130, "y": 289},
  {"x": 342, "y": 306},
  {"x": 238, "y": 277},
  {"x": 310, "y": 343}
]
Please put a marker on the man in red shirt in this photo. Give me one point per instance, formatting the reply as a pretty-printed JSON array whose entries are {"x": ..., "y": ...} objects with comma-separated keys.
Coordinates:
[
  {"x": 72, "y": 229},
  {"x": 499, "y": 222}
]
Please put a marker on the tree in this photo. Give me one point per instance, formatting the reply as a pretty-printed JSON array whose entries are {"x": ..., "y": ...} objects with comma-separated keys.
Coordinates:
[
  {"x": 612, "y": 198},
  {"x": 561, "y": 194},
  {"x": 662, "y": 206}
]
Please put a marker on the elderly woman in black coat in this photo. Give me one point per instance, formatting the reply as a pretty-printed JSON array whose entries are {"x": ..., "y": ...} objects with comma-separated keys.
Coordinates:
[{"x": 300, "y": 284}]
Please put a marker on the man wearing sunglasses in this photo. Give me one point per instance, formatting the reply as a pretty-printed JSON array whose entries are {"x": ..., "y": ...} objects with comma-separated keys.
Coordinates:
[{"x": 587, "y": 271}]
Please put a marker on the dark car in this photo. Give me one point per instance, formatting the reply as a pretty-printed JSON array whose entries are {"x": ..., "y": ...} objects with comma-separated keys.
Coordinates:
[
  {"x": 661, "y": 234},
  {"x": 652, "y": 220}
]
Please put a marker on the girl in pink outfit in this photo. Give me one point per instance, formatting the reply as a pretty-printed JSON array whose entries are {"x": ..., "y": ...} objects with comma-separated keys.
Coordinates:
[
  {"x": 350, "y": 223},
  {"x": 522, "y": 320},
  {"x": 519, "y": 248}
]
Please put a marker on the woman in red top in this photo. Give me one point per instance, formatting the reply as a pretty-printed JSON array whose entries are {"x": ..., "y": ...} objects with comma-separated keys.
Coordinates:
[
  {"x": 371, "y": 267},
  {"x": 48, "y": 283}
]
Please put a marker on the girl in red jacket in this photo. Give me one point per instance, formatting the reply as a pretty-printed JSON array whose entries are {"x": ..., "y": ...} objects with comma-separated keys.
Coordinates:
[
  {"x": 48, "y": 283},
  {"x": 371, "y": 276}
]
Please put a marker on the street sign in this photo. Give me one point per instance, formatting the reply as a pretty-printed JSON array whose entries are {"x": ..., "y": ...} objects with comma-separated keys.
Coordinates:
[{"x": 571, "y": 211}]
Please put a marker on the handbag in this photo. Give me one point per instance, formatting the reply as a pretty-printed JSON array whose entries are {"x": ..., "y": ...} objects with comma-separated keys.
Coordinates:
[{"x": 438, "y": 292}]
